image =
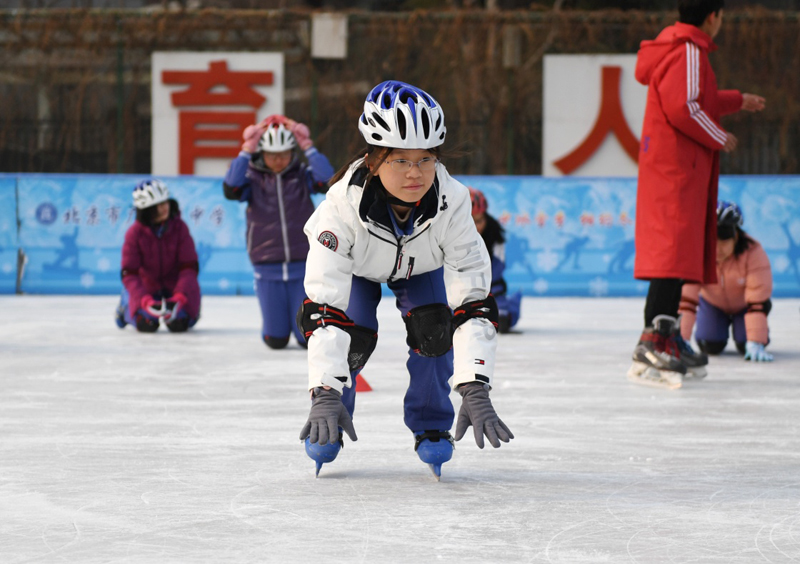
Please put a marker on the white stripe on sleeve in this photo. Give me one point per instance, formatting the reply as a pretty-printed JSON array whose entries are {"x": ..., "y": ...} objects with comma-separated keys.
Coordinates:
[{"x": 693, "y": 91}]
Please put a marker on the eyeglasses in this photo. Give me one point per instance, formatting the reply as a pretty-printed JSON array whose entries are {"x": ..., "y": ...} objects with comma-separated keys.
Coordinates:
[{"x": 402, "y": 165}]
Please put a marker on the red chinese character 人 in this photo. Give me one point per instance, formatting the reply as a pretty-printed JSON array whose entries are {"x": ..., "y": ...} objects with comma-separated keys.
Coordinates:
[
  {"x": 207, "y": 133},
  {"x": 610, "y": 119}
]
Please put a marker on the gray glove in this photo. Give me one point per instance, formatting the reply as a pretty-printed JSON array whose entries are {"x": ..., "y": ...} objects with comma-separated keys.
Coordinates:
[
  {"x": 328, "y": 413},
  {"x": 477, "y": 410}
]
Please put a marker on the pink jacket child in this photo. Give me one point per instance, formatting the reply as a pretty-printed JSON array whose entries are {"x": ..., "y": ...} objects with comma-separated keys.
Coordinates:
[
  {"x": 740, "y": 298},
  {"x": 159, "y": 265}
]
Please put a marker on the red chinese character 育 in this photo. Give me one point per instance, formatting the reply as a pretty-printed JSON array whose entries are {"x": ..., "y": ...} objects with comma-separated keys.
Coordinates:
[
  {"x": 610, "y": 119},
  {"x": 606, "y": 219},
  {"x": 559, "y": 219},
  {"x": 214, "y": 134},
  {"x": 541, "y": 219}
]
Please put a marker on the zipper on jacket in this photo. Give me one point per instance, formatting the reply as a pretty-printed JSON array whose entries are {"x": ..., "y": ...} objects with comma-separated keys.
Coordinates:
[
  {"x": 284, "y": 230},
  {"x": 410, "y": 267}
]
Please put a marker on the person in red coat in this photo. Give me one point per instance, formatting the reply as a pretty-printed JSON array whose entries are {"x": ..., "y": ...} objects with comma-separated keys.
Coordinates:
[
  {"x": 159, "y": 265},
  {"x": 678, "y": 175}
]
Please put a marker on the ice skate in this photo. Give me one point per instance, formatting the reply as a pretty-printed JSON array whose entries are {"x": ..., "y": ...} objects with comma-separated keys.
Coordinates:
[
  {"x": 434, "y": 448},
  {"x": 322, "y": 454},
  {"x": 655, "y": 358},
  {"x": 695, "y": 362}
]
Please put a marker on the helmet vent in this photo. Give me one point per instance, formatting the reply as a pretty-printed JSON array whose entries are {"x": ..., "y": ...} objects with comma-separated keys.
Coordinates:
[
  {"x": 380, "y": 121},
  {"x": 377, "y": 137},
  {"x": 401, "y": 124},
  {"x": 426, "y": 123}
]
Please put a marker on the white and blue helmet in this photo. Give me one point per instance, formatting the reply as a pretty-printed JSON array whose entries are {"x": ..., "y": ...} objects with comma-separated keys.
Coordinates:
[
  {"x": 149, "y": 193},
  {"x": 402, "y": 116},
  {"x": 728, "y": 213},
  {"x": 276, "y": 139}
]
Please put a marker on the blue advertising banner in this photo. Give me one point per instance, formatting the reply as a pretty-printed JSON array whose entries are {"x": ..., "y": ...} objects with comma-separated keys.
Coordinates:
[
  {"x": 8, "y": 234},
  {"x": 73, "y": 226},
  {"x": 574, "y": 236},
  {"x": 565, "y": 236}
]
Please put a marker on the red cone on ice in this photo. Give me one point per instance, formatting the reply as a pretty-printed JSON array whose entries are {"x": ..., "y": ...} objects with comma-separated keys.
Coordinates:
[{"x": 361, "y": 384}]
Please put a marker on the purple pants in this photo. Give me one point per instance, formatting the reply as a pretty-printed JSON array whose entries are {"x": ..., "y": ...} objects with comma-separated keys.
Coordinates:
[{"x": 713, "y": 327}]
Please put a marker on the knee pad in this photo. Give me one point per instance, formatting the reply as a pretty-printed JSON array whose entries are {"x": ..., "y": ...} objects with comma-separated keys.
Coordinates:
[
  {"x": 711, "y": 347},
  {"x": 179, "y": 325},
  {"x": 482, "y": 309},
  {"x": 429, "y": 329},
  {"x": 275, "y": 342},
  {"x": 145, "y": 323},
  {"x": 312, "y": 316}
]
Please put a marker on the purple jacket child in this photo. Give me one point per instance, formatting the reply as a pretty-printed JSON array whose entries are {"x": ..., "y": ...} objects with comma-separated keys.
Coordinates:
[
  {"x": 159, "y": 261},
  {"x": 277, "y": 187}
]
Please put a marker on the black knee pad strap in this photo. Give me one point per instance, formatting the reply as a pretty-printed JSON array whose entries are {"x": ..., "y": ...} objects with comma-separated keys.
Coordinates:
[{"x": 429, "y": 329}]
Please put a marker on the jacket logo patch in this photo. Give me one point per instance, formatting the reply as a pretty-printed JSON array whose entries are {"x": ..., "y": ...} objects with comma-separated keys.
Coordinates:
[{"x": 328, "y": 240}]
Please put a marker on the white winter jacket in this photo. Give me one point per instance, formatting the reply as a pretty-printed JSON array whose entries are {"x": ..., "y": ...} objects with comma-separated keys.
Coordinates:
[{"x": 346, "y": 240}]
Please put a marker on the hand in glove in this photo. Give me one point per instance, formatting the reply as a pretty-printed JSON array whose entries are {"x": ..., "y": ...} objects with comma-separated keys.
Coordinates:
[
  {"x": 301, "y": 134},
  {"x": 756, "y": 352},
  {"x": 174, "y": 305},
  {"x": 328, "y": 413},
  {"x": 253, "y": 133},
  {"x": 151, "y": 306},
  {"x": 477, "y": 410}
]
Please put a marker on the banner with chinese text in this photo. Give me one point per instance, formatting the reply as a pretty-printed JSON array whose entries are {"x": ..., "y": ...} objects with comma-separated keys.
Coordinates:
[{"x": 565, "y": 237}]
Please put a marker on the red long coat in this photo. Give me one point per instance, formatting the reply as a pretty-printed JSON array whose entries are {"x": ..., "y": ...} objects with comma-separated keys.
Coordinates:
[
  {"x": 679, "y": 156},
  {"x": 152, "y": 264}
]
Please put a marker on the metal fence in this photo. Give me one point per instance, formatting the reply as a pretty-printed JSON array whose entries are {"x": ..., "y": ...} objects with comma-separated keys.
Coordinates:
[{"x": 75, "y": 84}]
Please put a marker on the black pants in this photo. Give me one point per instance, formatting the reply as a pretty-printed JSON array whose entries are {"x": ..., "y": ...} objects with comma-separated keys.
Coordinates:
[{"x": 663, "y": 298}]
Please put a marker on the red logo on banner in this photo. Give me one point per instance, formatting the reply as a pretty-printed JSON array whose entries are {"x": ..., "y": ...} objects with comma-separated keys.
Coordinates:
[
  {"x": 214, "y": 134},
  {"x": 611, "y": 119}
]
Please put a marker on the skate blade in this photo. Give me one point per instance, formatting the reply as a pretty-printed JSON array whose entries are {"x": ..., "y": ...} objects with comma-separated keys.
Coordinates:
[
  {"x": 640, "y": 373},
  {"x": 436, "y": 470},
  {"x": 696, "y": 373}
]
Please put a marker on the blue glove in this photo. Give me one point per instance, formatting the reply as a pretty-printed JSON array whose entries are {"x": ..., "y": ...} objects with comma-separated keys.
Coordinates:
[{"x": 756, "y": 352}]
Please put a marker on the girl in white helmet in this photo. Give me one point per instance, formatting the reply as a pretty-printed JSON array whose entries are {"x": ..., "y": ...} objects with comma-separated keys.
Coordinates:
[
  {"x": 276, "y": 185},
  {"x": 159, "y": 265},
  {"x": 395, "y": 215}
]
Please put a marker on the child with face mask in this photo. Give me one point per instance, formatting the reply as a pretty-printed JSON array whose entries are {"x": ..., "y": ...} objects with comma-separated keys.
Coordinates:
[{"x": 739, "y": 300}]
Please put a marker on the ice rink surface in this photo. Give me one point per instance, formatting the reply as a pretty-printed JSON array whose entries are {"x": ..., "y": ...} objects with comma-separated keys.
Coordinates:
[{"x": 125, "y": 447}]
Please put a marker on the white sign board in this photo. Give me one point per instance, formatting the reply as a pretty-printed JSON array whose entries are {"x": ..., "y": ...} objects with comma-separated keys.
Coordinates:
[
  {"x": 593, "y": 112},
  {"x": 203, "y": 101}
]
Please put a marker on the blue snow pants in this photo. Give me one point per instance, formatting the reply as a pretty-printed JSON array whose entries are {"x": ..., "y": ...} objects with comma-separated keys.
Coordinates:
[
  {"x": 427, "y": 404},
  {"x": 280, "y": 292},
  {"x": 713, "y": 326}
]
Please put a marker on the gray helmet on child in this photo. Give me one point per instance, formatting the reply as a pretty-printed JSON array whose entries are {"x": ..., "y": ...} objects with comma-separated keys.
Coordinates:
[{"x": 402, "y": 116}]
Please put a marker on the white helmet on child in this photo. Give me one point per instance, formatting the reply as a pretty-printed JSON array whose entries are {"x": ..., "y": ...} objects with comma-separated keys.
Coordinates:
[
  {"x": 149, "y": 193},
  {"x": 402, "y": 116},
  {"x": 277, "y": 139}
]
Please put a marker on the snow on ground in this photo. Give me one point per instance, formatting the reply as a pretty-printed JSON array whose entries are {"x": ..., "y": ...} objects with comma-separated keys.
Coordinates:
[{"x": 125, "y": 447}]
